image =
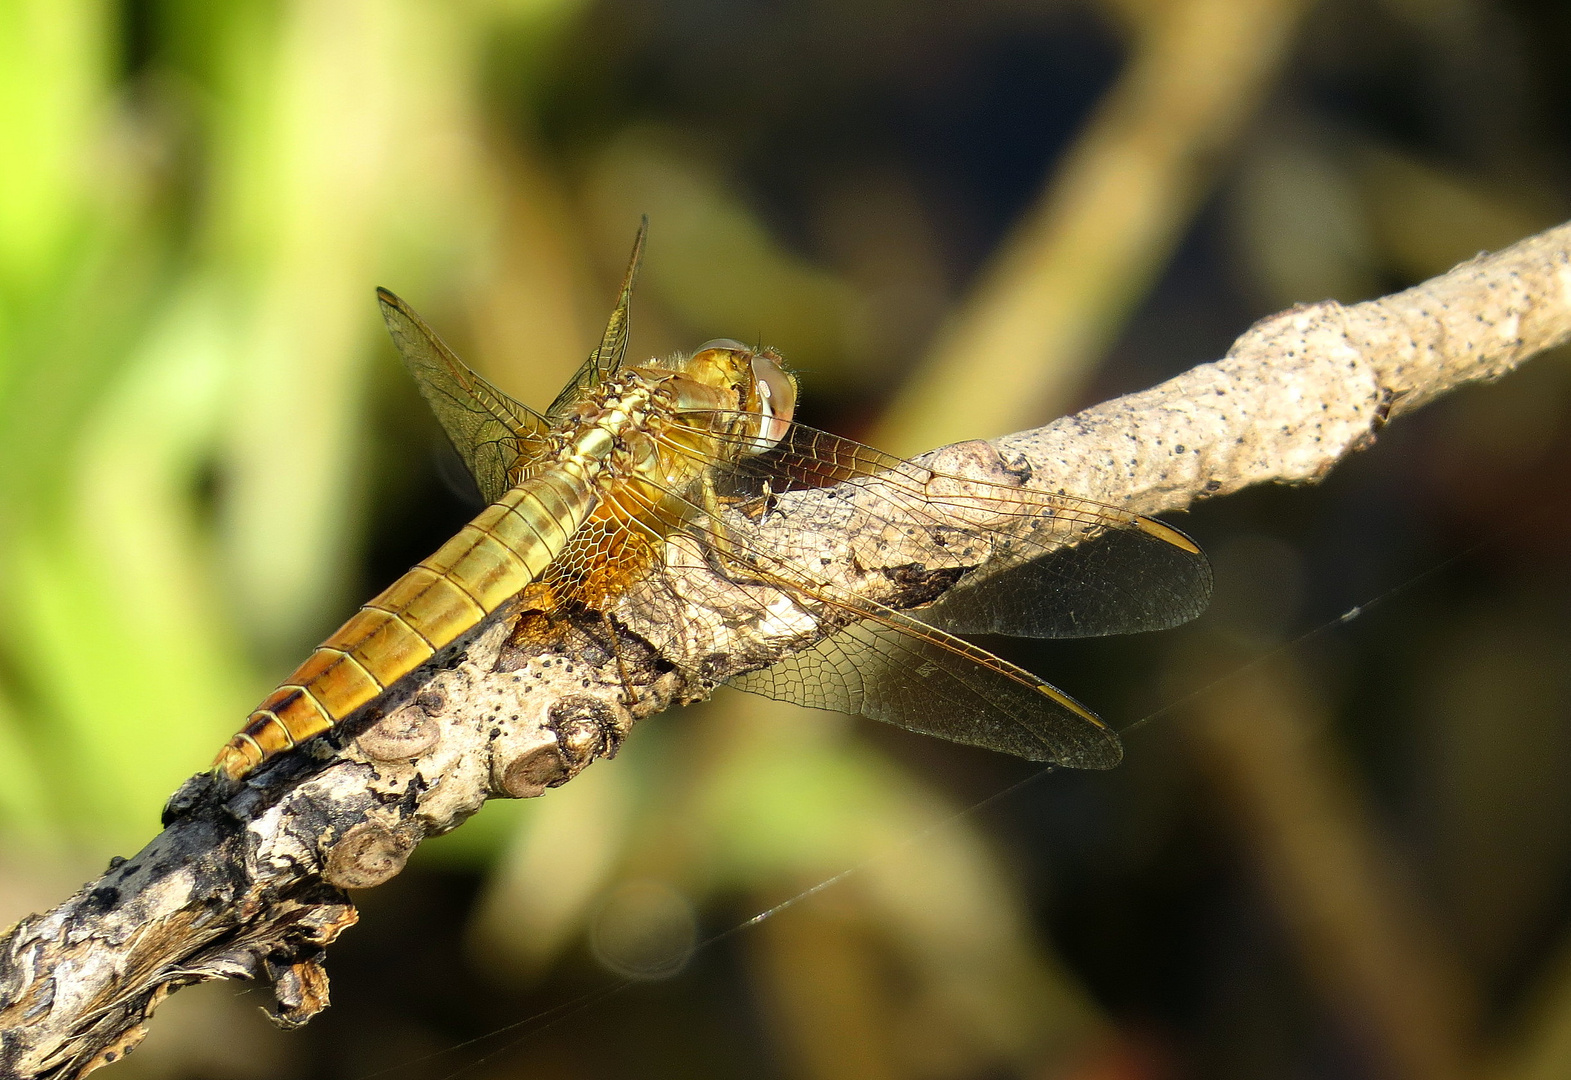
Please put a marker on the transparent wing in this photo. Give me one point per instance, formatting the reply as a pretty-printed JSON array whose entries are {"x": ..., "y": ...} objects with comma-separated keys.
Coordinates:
[
  {"x": 1041, "y": 565},
  {"x": 607, "y": 358},
  {"x": 875, "y": 661},
  {"x": 889, "y": 667},
  {"x": 494, "y": 434},
  {"x": 1122, "y": 580}
]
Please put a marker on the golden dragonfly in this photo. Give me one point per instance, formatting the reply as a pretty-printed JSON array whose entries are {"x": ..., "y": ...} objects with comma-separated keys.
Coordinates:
[{"x": 633, "y": 464}]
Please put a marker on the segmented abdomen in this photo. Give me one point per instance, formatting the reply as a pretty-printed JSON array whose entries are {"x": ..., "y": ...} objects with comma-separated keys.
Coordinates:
[{"x": 506, "y": 547}]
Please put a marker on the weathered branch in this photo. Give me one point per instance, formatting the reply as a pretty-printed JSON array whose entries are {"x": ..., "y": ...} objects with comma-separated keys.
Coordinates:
[{"x": 250, "y": 884}]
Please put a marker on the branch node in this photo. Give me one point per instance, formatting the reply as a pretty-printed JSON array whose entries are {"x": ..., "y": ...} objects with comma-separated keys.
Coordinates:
[
  {"x": 529, "y": 774},
  {"x": 402, "y": 735},
  {"x": 587, "y": 728},
  {"x": 367, "y": 855}
]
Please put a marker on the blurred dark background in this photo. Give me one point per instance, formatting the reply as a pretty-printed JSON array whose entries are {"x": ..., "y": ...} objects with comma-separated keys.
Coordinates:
[{"x": 1341, "y": 855}]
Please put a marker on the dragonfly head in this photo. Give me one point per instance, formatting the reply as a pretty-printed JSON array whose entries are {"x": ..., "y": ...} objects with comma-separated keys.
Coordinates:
[{"x": 768, "y": 391}]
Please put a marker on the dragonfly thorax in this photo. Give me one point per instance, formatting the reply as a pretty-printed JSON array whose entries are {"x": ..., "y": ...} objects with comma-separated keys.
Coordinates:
[{"x": 597, "y": 429}]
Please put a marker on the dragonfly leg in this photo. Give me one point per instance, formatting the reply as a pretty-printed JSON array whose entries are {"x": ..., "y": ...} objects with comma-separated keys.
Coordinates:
[
  {"x": 722, "y": 548},
  {"x": 621, "y": 664}
]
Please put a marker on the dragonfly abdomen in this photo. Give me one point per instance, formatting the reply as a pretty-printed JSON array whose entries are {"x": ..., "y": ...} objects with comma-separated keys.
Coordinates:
[{"x": 508, "y": 546}]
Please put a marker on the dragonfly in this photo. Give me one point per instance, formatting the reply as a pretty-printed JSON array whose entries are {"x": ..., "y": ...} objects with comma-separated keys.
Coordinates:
[{"x": 637, "y": 469}]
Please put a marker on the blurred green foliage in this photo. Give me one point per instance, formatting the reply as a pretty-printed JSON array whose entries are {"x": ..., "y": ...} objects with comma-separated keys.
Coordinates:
[
  {"x": 208, "y": 456},
  {"x": 195, "y": 202}
]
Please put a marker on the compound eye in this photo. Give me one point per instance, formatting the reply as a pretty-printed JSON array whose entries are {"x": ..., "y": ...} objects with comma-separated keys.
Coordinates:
[
  {"x": 776, "y": 393},
  {"x": 722, "y": 343}
]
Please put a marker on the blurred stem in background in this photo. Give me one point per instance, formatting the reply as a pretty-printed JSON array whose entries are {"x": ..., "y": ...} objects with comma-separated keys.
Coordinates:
[
  {"x": 1372, "y": 950},
  {"x": 1062, "y": 285},
  {"x": 311, "y": 129}
]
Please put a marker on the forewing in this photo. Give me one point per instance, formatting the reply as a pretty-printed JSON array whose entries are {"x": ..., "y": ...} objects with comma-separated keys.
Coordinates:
[
  {"x": 1045, "y": 565},
  {"x": 607, "y": 357},
  {"x": 493, "y": 433}
]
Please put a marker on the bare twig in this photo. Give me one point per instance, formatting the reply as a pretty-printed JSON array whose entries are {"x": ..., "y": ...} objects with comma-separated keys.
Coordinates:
[
  {"x": 1367, "y": 943},
  {"x": 250, "y": 884}
]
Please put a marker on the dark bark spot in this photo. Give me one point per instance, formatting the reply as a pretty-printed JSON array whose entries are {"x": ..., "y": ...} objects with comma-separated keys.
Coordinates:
[{"x": 101, "y": 899}]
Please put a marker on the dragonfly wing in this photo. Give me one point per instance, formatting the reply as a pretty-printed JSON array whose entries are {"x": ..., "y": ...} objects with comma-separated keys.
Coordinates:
[
  {"x": 874, "y": 660},
  {"x": 1043, "y": 565},
  {"x": 898, "y": 671},
  {"x": 607, "y": 357},
  {"x": 1122, "y": 580},
  {"x": 492, "y": 432}
]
